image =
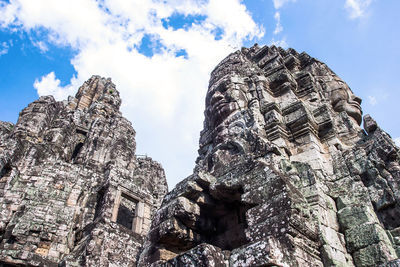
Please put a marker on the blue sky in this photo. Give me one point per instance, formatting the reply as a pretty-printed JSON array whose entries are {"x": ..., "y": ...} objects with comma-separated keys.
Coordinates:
[{"x": 160, "y": 53}]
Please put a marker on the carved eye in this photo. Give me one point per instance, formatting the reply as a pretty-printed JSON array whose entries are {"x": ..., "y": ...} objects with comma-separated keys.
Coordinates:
[
  {"x": 222, "y": 88},
  {"x": 338, "y": 95}
]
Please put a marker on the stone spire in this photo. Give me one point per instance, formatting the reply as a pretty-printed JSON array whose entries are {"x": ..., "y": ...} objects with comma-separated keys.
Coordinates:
[
  {"x": 98, "y": 89},
  {"x": 285, "y": 175},
  {"x": 72, "y": 190}
]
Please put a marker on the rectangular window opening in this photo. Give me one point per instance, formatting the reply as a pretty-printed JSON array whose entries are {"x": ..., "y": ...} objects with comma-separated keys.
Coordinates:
[{"x": 127, "y": 211}]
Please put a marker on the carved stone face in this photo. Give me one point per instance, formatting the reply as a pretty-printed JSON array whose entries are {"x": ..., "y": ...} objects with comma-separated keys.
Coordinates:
[
  {"x": 223, "y": 100},
  {"x": 342, "y": 99}
]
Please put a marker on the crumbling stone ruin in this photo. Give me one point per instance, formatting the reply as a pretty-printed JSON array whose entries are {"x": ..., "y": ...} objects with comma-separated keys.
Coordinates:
[
  {"x": 72, "y": 190},
  {"x": 285, "y": 175}
]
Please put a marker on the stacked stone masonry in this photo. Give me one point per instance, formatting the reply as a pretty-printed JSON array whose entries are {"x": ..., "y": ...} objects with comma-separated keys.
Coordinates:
[
  {"x": 66, "y": 170},
  {"x": 285, "y": 175}
]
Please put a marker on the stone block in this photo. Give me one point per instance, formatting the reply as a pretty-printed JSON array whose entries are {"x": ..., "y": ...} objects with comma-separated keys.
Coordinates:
[
  {"x": 332, "y": 238},
  {"x": 281, "y": 204},
  {"x": 365, "y": 235},
  {"x": 373, "y": 255},
  {"x": 164, "y": 254},
  {"x": 262, "y": 253},
  {"x": 334, "y": 257},
  {"x": 359, "y": 193},
  {"x": 54, "y": 253},
  {"x": 172, "y": 231},
  {"x": 370, "y": 124},
  {"x": 147, "y": 211},
  {"x": 270, "y": 188},
  {"x": 201, "y": 255},
  {"x": 353, "y": 216},
  {"x": 181, "y": 208}
]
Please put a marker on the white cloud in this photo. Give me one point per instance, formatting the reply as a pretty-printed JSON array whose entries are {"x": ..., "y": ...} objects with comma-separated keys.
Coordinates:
[
  {"x": 372, "y": 100},
  {"x": 7, "y": 13},
  {"x": 162, "y": 95},
  {"x": 41, "y": 45},
  {"x": 397, "y": 141},
  {"x": 282, "y": 43},
  {"x": 279, "y": 3},
  {"x": 50, "y": 85},
  {"x": 278, "y": 27},
  {"x": 357, "y": 8},
  {"x": 4, "y": 48}
]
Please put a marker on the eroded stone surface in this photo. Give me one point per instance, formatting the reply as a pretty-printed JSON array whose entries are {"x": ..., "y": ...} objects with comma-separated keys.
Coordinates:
[
  {"x": 285, "y": 175},
  {"x": 67, "y": 171}
]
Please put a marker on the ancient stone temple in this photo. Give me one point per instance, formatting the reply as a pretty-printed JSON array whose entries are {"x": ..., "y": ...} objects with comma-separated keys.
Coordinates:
[
  {"x": 285, "y": 174},
  {"x": 72, "y": 190},
  {"x": 285, "y": 177}
]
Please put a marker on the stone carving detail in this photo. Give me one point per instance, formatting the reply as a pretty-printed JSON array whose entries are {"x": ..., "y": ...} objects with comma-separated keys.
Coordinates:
[
  {"x": 64, "y": 166},
  {"x": 285, "y": 175}
]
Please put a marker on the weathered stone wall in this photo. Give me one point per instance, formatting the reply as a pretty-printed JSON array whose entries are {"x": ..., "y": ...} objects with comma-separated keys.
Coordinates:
[
  {"x": 64, "y": 168},
  {"x": 285, "y": 175}
]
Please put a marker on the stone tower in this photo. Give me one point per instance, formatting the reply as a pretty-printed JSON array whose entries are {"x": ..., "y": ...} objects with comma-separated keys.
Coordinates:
[
  {"x": 285, "y": 175},
  {"x": 72, "y": 190}
]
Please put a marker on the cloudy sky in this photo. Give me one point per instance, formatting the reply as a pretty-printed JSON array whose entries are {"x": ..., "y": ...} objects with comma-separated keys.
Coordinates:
[{"x": 159, "y": 53}]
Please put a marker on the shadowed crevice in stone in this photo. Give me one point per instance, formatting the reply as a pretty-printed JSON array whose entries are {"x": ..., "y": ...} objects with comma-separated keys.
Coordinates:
[
  {"x": 100, "y": 201},
  {"x": 4, "y": 264},
  {"x": 5, "y": 171},
  {"x": 76, "y": 151},
  {"x": 223, "y": 225},
  {"x": 219, "y": 221},
  {"x": 389, "y": 216}
]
